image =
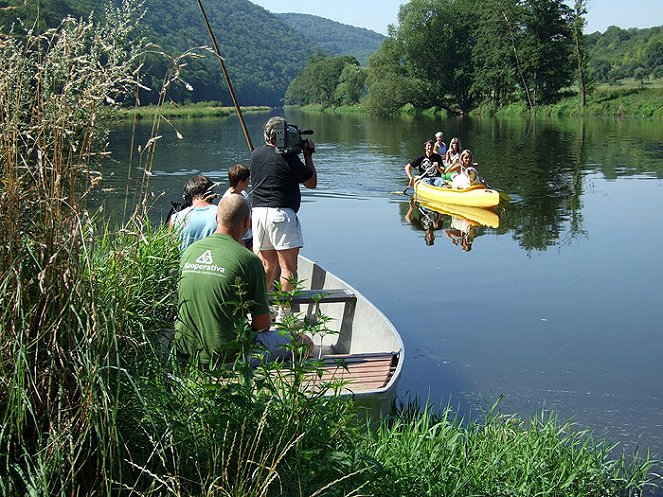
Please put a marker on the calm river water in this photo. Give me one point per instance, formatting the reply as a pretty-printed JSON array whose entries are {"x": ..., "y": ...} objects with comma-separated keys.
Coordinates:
[{"x": 559, "y": 308}]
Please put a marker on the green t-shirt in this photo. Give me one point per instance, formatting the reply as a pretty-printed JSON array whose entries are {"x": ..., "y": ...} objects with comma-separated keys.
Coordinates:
[{"x": 209, "y": 271}]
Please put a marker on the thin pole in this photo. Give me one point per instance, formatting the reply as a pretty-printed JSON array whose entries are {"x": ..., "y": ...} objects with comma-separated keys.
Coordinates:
[{"x": 225, "y": 74}]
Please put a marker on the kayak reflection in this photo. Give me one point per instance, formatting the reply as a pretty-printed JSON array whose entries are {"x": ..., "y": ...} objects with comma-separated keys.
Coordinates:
[{"x": 431, "y": 216}]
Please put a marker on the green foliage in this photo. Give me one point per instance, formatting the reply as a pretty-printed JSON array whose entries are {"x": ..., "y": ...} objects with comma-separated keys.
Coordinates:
[
  {"x": 618, "y": 53},
  {"x": 260, "y": 66},
  {"x": 422, "y": 453},
  {"x": 334, "y": 38},
  {"x": 327, "y": 81},
  {"x": 453, "y": 54}
]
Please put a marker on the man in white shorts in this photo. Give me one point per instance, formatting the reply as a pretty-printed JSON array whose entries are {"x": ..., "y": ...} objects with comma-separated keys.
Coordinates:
[{"x": 276, "y": 176}]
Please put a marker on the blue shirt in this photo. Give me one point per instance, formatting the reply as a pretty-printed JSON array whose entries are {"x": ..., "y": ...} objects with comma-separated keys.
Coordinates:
[{"x": 194, "y": 223}]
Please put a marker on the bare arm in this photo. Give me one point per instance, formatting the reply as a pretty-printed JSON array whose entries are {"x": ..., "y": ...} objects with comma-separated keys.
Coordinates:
[
  {"x": 309, "y": 148},
  {"x": 408, "y": 171},
  {"x": 261, "y": 322}
]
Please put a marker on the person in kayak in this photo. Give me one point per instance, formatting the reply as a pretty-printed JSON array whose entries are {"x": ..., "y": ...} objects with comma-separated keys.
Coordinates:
[
  {"x": 452, "y": 157},
  {"x": 428, "y": 166},
  {"x": 440, "y": 147}
]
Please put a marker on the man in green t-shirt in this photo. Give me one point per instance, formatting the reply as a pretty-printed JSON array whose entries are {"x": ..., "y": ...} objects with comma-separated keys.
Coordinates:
[{"x": 211, "y": 272}]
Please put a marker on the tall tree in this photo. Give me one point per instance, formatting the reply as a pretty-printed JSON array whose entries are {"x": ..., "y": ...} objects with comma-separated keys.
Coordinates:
[
  {"x": 494, "y": 55},
  {"x": 547, "y": 45},
  {"x": 577, "y": 26}
]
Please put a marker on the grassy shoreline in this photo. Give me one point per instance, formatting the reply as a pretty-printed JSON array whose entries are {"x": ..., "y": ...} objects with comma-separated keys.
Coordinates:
[
  {"x": 186, "y": 111},
  {"x": 625, "y": 101}
]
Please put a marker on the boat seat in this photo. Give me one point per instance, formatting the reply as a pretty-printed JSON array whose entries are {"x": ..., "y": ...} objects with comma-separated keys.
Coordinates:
[
  {"x": 358, "y": 372},
  {"x": 322, "y": 296}
]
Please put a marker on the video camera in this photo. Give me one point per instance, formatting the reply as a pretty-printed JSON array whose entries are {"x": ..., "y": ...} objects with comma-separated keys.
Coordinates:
[{"x": 290, "y": 139}]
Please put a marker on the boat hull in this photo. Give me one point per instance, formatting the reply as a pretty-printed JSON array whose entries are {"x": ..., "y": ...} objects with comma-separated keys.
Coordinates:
[
  {"x": 475, "y": 196},
  {"x": 358, "y": 330}
]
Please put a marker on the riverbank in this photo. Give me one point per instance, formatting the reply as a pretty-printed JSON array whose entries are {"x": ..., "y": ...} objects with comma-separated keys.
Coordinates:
[
  {"x": 186, "y": 111},
  {"x": 637, "y": 101},
  {"x": 614, "y": 101}
]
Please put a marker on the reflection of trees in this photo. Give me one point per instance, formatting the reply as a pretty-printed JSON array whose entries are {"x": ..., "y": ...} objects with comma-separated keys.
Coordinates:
[{"x": 540, "y": 165}]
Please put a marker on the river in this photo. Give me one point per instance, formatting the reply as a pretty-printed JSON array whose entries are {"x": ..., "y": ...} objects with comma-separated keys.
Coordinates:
[{"x": 558, "y": 308}]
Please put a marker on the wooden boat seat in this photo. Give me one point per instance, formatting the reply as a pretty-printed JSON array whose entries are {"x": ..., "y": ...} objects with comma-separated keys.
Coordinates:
[
  {"x": 322, "y": 296},
  {"x": 358, "y": 372}
]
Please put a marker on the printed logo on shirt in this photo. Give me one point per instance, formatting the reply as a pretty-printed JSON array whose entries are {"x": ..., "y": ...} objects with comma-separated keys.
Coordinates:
[
  {"x": 206, "y": 258},
  {"x": 204, "y": 264}
]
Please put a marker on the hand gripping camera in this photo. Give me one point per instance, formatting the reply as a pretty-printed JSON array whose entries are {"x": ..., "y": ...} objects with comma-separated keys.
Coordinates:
[{"x": 290, "y": 139}]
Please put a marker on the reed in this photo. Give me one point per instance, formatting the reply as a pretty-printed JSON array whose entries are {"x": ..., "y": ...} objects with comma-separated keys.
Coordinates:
[{"x": 424, "y": 453}]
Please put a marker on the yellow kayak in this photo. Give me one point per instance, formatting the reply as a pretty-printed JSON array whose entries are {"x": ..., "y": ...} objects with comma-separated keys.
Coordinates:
[
  {"x": 475, "y": 196},
  {"x": 483, "y": 216}
]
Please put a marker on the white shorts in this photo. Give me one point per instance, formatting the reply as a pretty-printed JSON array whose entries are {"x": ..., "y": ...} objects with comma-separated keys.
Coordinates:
[
  {"x": 276, "y": 228},
  {"x": 273, "y": 345}
]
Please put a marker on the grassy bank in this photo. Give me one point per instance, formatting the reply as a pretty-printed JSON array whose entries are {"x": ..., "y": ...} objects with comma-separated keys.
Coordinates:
[
  {"x": 94, "y": 402},
  {"x": 343, "y": 109},
  {"x": 185, "y": 111},
  {"x": 606, "y": 101}
]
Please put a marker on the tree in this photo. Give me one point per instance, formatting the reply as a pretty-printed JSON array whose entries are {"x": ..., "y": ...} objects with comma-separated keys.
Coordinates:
[
  {"x": 351, "y": 85},
  {"x": 318, "y": 81},
  {"x": 495, "y": 72},
  {"x": 653, "y": 54},
  {"x": 546, "y": 48},
  {"x": 577, "y": 27}
]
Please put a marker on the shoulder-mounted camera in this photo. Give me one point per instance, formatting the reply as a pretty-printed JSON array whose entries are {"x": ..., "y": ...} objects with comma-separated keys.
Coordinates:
[{"x": 289, "y": 139}]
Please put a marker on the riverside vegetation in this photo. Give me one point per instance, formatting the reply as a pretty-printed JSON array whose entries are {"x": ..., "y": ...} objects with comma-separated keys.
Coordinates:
[{"x": 91, "y": 401}]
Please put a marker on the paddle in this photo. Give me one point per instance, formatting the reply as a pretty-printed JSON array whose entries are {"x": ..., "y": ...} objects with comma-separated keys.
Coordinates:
[{"x": 430, "y": 169}]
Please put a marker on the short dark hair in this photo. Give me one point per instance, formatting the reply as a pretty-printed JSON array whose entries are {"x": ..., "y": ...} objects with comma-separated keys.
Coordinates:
[
  {"x": 431, "y": 142},
  {"x": 237, "y": 173},
  {"x": 199, "y": 187}
]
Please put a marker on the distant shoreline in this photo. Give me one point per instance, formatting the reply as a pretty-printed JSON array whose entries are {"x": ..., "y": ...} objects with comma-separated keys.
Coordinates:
[
  {"x": 187, "y": 111},
  {"x": 630, "y": 100}
]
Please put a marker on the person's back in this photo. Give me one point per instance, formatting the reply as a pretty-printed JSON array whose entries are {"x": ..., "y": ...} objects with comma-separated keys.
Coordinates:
[
  {"x": 194, "y": 223},
  {"x": 198, "y": 220},
  {"x": 212, "y": 271},
  {"x": 276, "y": 178},
  {"x": 220, "y": 282}
]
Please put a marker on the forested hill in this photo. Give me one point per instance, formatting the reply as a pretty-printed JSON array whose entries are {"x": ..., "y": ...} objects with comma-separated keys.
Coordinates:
[
  {"x": 335, "y": 38},
  {"x": 626, "y": 53},
  {"x": 262, "y": 53}
]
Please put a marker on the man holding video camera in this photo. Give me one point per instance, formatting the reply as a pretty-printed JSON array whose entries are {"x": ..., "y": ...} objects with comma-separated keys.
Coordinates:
[{"x": 276, "y": 172}]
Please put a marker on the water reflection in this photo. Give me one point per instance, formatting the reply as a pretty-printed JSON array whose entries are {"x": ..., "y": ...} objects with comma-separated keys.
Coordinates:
[{"x": 460, "y": 224}]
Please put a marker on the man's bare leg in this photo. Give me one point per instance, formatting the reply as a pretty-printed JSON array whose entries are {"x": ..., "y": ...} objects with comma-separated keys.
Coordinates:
[
  {"x": 287, "y": 260},
  {"x": 270, "y": 262}
]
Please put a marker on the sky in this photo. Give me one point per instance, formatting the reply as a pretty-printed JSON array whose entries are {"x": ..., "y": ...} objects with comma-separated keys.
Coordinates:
[{"x": 378, "y": 14}]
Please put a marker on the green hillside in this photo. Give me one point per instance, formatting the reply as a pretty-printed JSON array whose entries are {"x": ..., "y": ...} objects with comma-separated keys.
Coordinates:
[
  {"x": 333, "y": 37},
  {"x": 261, "y": 52},
  {"x": 627, "y": 53}
]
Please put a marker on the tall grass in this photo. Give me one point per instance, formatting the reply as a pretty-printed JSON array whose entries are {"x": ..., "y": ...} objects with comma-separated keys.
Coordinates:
[
  {"x": 89, "y": 402},
  {"x": 423, "y": 453},
  {"x": 53, "y": 89}
]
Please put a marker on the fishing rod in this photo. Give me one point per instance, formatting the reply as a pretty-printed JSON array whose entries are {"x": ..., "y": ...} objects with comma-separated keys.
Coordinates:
[{"x": 225, "y": 74}]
